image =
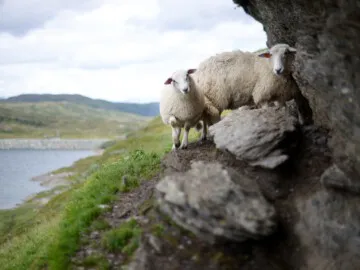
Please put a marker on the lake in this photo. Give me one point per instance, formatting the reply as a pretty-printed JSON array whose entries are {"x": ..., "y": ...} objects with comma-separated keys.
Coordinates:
[{"x": 17, "y": 167}]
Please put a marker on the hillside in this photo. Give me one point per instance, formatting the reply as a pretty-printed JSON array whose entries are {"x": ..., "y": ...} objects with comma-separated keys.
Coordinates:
[
  {"x": 145, "y": 109},
  {"x": 69, "y": 120}
]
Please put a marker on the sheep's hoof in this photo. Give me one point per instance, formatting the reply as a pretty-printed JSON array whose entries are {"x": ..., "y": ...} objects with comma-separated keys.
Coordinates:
[
  {"x": 202, "y": 140},
  {"x": 183, "y": 147},
  {"x": 175, "y": 146}
]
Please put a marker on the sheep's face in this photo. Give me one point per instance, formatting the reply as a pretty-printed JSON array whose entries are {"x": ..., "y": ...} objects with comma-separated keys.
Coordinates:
[
  {"x": 281, "y": 57},
  {"x": 180, "y": 80}
]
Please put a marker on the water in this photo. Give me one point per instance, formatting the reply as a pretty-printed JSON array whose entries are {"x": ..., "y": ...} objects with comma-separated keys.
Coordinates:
[{"x": 17, "y": 167}]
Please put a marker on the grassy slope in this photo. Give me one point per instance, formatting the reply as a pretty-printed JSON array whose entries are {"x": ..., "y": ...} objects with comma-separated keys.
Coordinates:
[
  {"x": 49, "y": 235},
  {"x": 36, "y": 120}
]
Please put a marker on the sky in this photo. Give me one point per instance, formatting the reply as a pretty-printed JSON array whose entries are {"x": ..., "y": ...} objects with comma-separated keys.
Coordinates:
[{"x": 117, "y": 50}]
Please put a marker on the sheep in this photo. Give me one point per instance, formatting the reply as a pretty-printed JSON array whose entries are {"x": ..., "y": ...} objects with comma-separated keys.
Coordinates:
[
  {"x": 230, "y": 80},
  {"x": 182, "y": 106}
]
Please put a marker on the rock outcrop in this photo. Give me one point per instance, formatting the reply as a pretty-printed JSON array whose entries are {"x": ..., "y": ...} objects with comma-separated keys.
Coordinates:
[
  {"x": 216, "y": 203},
  {"x": 326, "y": 34},
  {"x": 262, "y": 137}
]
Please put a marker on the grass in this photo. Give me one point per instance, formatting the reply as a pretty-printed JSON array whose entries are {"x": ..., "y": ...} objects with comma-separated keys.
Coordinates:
[
  {"x": 158, "y": 230},
  {"x": 125, "y": 238},
  {"x": 34, "y": 237},
  {"x": 48, "y": 236},
  {"x": 101, "y": 188},
  {"x": 68, "y": 120},
  {"x": 96, "y": 260}
]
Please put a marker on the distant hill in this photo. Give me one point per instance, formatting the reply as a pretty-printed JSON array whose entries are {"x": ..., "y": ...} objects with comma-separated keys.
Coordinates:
[
  {"x": 64, "y": 119},
  {"x": 146, "y": 109}
]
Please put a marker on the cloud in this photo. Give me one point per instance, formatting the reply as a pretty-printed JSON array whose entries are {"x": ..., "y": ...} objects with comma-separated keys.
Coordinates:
[
  {"x": 19, "y": 16},
  {"x": 122, "y": 50}
]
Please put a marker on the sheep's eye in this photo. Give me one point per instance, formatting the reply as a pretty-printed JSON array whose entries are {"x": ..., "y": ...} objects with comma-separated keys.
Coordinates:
[{"x": 174, "y": 81}]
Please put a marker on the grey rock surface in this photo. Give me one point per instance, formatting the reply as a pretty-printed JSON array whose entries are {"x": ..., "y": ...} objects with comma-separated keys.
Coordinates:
[
  {"x": 262, "y": 137},
  {"x": 326, "y": 34},
  {"x": 335, "y": 178},
  {"x": 329, "y": 228},
  {"x": 216, "y": 203}
]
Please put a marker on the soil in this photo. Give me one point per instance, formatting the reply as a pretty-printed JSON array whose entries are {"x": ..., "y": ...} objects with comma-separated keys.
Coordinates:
[{"x": 174, "y": 248}]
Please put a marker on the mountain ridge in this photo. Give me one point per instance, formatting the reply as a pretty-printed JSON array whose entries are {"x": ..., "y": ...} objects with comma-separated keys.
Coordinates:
[{"x": 143, "y": 109}]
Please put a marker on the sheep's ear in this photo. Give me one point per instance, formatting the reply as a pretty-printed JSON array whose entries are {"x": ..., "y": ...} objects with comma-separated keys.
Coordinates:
[
  {"x": 291, "y": 49},
  {"x": 190, "y": 71},
  {"x": 265, "y": 55},
  {"x": 168, "y": 81}
]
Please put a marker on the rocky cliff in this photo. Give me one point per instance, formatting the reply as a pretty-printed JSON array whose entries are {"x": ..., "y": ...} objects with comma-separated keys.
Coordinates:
[{"x": 327, "y": 65}]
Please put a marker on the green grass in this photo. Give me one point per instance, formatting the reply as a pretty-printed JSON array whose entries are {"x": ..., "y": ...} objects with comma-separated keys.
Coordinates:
[
  {"x": 101, "y": 188},
  {"x": 158, "y": 230},
  {"x": 45, "y": 119},
  {"x": 125, "y": 238},
  {"x": 50, "y": 235},
  {"x": 261, "y": 50},
  {"x": 96, "y": 260}
]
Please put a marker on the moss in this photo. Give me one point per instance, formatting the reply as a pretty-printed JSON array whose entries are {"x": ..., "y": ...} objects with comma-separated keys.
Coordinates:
[
  {"x": 96, "y": 260},
  {"x": 158, "y": 229},
  {"x": 124, "y": 239}
]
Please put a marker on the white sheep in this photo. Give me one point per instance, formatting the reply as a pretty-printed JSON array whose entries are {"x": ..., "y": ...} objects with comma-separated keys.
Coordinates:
[
  {"x": 182, "y": 106},
  {"x": 230, "y": 80}
]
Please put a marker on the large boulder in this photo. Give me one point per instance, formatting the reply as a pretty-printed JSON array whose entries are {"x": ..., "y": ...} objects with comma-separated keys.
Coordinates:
[
  {"x": 216, "y": 203},
  {"x": 327, "y": 36},
  {"x": 263, "y": 137}
]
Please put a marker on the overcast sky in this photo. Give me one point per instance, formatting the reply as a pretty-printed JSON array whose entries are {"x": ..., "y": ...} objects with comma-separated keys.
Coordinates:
[{"x": 117, "y": 50}]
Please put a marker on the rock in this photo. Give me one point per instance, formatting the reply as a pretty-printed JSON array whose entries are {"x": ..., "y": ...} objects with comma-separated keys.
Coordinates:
[
  {"x": 334, "y": 177},
  {"x": 95, "y": 235},
  {"x": 329, "y": 228},
  {"x": 262, "y": 137},
  {"x": 141, "y": 260},
  {"x": 104, "y": 206},
  {"x": 326, "y": 34},
  {"x": 216, "y": 203},
  {"x": 154, "y": 242}
]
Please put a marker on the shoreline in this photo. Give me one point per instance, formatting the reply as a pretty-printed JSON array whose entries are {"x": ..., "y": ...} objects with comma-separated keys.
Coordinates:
[
  {"x": 51, "y": 144},
  {"x": 51, "y": 182}
]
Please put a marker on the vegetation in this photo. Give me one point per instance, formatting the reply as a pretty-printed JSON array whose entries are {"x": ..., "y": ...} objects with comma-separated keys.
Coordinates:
[
  {"x": 146, "y": 109},
  {"x": 68, "y": 120},
  {"x": 261, "y": 50},
  {"x": 49, "y": 235},
  {"x": 125, "y": 238}
]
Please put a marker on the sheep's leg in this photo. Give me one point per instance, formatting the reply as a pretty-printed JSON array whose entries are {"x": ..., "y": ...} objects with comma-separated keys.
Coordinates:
[
  {"x": 204, "y": 131},
  {"x": 185, "y": 139},
  {"x": 175, "y": 132},
  {"x": 176, "y": 137}
]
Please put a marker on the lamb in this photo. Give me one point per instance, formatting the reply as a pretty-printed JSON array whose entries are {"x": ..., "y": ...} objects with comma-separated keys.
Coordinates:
[
  {"x": 230, "y": 80},
  {"x": 182, "y": 106}
]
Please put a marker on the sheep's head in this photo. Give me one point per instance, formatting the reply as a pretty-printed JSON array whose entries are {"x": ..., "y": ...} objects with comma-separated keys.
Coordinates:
[
  {"x": 180, "y": 80},
  {"x": 281, "y": 57}
]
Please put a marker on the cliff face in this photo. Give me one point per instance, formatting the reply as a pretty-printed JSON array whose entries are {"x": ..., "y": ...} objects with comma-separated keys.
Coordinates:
[{"x": 327, "y": 66}]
